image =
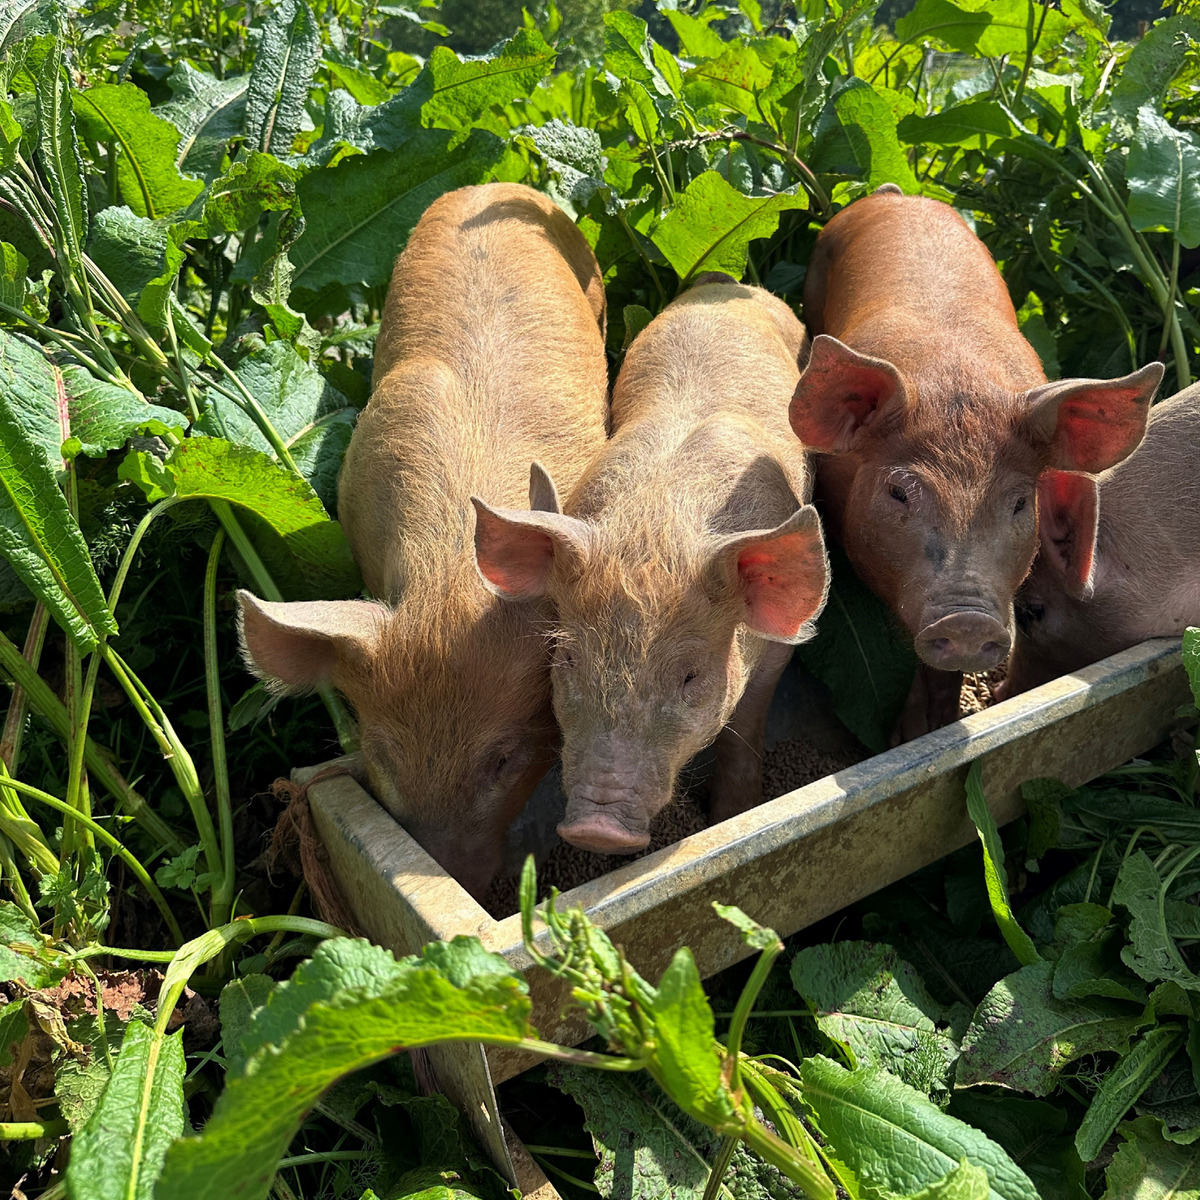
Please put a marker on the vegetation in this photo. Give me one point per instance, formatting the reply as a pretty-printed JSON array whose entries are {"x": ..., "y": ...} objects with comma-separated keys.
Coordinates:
[{"x": 199, "y": 208}]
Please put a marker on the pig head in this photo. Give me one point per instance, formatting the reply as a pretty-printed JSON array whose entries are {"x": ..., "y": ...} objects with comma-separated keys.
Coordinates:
[
  {"x": 453, "y": 764},
  {"x": 657, "y": 629},
  {"x": 932, "y": 477}
]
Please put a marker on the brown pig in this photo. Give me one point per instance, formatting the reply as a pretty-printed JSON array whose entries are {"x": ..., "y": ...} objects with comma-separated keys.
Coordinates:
[
  {"x": 490, "y": 354},
  {"x": 937, "y": 422},
  {"x": 687, "y": 567},
  {"x": 1142, "y": 581}
]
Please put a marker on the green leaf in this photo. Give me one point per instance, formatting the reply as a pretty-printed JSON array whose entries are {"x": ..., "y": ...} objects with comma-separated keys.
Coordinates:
[
  {"x": 966, "y": 124},
  {"x": 240, "y": 999},
  {"x": 104, "y": 417},
  {"x": 150, "y": 181},
  {"x": 629, "y": 52},
  {"x": 959, "y": 28},
  {"x": 735, "y": 79},
  {"x": 1032, "y": 1133},
  {"x": 208, "y": 112},
  {"x": 860, "y": 656},
  {"x": 359, "y": 215},
  {"x": 1149, "y": 1167},
  {"x": 25, "y": 954},
  {"x": 1163, "y": 173},
  {"x": 1124, "y": 1085},
  {"x": 1019, "y": 942},
  {"x": 1090, "y": 963},
  {"x": 1152, "y": 953},
  {"x": 965, "y": 1182},
  {"x": 38, "y": 535},
  {"x": 1022, "y": 1036},
  {"x": 414, "y": 1004},
  {"x": 141, "y": 257},
  {"x": 117, "y": 1155},
  {"x": 13, "y": 268},
  {"x": 684, "y": 1032},
  {"x": 712, "y": 225},
  {"x": 753, "y": 934},
  {"x": 58, "y": 152},
  {"x": 869, "y": 122},
  {"x": 253, "y": 185},
  {"x": 464, "y": 89},
  {"x": 696, "y": 38},
  {"x": 648, "y": 1148},
  {"x": 892, "y": 1137},
  {"x": 312, "y": 417},
  {"x": 1155, "y": 61},
  {"x": 865, "y": 997},
  {"x": 287, "y": 58},
  {"x": 315, "y": 548}
]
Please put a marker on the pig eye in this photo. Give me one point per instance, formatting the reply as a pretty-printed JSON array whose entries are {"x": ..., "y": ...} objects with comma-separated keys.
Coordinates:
[
  {"x": 898, "y": 493},
  {"x": 1019, "y": 506},
  {"x": 688, "y": 678},
  {"x": 566, "y": 659}
]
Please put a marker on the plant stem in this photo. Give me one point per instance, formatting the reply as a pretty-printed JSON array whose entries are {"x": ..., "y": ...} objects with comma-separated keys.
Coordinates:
[
  {"x": 14, "y": 722},
  {"x": 741, "y": 1012},
  {"x": 103, "y": 1032},
  {"x": 28, "y": 1131},
  {"x": 10, "y": 873},
  {"x": 720, "y": 1165},
  {"x": 1031, "y": 41},
  {"x": 124, "y": 855}
]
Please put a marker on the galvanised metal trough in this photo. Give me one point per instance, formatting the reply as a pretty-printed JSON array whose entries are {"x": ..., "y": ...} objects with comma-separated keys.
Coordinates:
[{"x": 788, "y": 863}]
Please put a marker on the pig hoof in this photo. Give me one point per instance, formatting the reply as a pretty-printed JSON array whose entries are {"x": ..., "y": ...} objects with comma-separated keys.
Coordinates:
[{"x": 604, "y": 836}]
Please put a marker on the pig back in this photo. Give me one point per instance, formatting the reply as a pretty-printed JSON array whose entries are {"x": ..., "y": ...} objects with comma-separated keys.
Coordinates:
[{"x": 490, "y": 356}]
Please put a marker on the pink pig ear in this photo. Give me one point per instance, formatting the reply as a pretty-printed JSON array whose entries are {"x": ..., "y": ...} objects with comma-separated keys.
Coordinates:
[
  {"x": 1068, "y": 517},
  {"x": 516, "y": 550},
  {"x": 1092, "y": 424},
  {"x": 299, "y": 646},
  {"x": 782, "y": 575},
  {"x": 839, "y": 393}
]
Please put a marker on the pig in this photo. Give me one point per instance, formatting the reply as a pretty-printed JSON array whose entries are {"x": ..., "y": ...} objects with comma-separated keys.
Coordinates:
[
  {"x": 686, "y": 565},
  {"x": 490, "y": 354},
  {"x": 934, "y": 422},
  {"x": 1143, "y": 578}
]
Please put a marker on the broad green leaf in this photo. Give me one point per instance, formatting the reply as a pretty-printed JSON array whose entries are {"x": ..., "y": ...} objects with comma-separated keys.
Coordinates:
[
  {"x": 38, "y": 535},
  {"x": 208, "y": 112},
  {"x": 1090, "y": 963},
  {"x": 79, "y": 1083},
  {"x": 892, "y": 1137},
  {"x": 648, "y": 1148},
  {"x": 25, "y": 954},
  {"x": 117, "y": 1155},
  {"x": 316, "y": 555},
  {"x": 1155, "y": 61},
  {"x": 253, "y": 185},
  {"x": 1019, "y": 942},
  {"x": 141, "y": 257},
  {"x": 58, "y": 152},
  {"x": 104, "y": 417},
  {"x": 865, "y": 997},
  {"x": 696, "y": 38},
  {"x": 712, "y": 225},
  {"x": 1124, "y": 1085},
  {"x": 240, "y": 998},
  {"x": 287, "y": 57},
  {"x": 10, "y": 135},
  {"x": 13, "y": 1027},
  {"x": 1152, "y": 953},
  {"x": 861, "y": 656},
  {"x": 13, "y": 268},
  {"x": 1149, "y": 1167},
  {"x": 963, "y": 125},
  {"x": 753, "y": 934},
  {"x": 464, "y": 89},
  {"x": 734, "y": 79},
  {"x": 965, "y": 1182},
  {"x": 629, "y": 51},
  {"x": 147, "y": 145},
  {"x": 1191, "y": 660},
  {"x": 684, "y": 1032},
  {"x": 359, "y": 215},
  {"x": 1022, "y": 1037},
  {"x": 364, "y": 87},
  {"x": 1163, "y": 173},
  {"x": 415, "y": 1004},
  {"x": 312, "y": 417},
  {"x": 958, "y": 27},
  {"x": 869, "y": 122},
  {"x": 1032, "y": 1133}
]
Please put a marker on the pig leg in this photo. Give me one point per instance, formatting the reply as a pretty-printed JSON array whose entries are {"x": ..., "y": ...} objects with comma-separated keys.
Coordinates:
[
  {"x": 932, "y": 702},
  {"x": 737, "y": 779}
]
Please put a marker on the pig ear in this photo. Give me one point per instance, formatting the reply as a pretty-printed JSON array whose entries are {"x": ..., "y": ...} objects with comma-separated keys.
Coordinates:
[
  {"x": 1092, "y": 424},
  {"x": 1068, "y": 516},
  {"x": 297, "y": 647},
  {"x": 782, "y": 575},
  {"x": 516, "y": 550},
  {"x": 841, "y": 392},
  {"x": 543, "y": 495}
]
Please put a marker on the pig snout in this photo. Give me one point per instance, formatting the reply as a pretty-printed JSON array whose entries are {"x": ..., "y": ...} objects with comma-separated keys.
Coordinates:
[
  {"x": 964, "y": 641},
  {"x": 606, "y": 817}
]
